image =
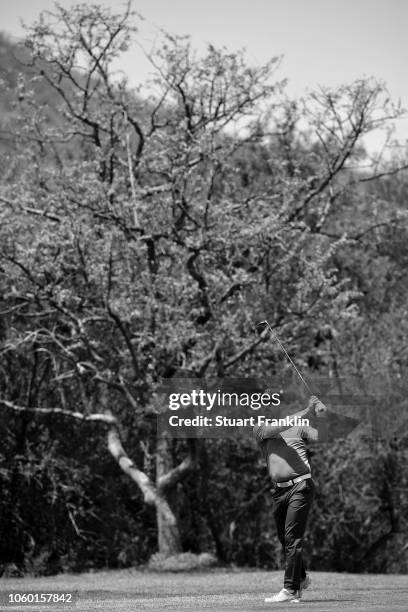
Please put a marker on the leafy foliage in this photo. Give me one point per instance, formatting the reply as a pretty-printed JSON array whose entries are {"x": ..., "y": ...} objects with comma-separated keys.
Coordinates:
[{"x": 141, "y": 237}]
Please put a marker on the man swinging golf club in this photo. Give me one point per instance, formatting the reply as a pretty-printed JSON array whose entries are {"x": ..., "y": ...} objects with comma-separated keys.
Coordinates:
[{"x": 284, "y": 449}]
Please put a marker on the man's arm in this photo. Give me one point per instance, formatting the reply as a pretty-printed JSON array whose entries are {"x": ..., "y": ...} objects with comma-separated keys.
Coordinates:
[{"x": 314, "y": 408}]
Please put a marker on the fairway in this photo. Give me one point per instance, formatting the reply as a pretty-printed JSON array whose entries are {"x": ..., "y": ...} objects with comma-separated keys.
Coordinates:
[{"x": 127, "y": 590}]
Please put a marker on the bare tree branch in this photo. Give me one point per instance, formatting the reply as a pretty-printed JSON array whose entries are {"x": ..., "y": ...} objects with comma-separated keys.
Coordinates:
[
  {"x": 107, "y": 419},
  {"x": 150, "y": 493},
  {"x": 176, "y": 474}
]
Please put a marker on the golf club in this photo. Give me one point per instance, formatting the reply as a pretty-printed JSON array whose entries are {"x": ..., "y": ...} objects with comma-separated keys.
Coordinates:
[{"x": 275, "y": 336}]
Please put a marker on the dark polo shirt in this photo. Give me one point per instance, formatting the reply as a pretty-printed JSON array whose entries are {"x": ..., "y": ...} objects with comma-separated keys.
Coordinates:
[{"x": 285, "y": 452}]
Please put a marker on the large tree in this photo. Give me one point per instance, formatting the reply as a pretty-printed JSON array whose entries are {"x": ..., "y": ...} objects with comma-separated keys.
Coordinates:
[{"x": 144, "y": 231}]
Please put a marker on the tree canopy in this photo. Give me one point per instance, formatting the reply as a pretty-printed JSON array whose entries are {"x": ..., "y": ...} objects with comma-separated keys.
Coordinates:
[{"x": 143, "y": 233}]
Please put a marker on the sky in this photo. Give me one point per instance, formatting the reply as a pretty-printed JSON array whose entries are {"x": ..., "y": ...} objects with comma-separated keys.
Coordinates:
[{"x": 324, "y": 42}]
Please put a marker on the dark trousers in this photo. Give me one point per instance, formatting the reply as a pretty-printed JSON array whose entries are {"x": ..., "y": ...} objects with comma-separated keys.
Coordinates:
[{"x": 291, "y": 507}]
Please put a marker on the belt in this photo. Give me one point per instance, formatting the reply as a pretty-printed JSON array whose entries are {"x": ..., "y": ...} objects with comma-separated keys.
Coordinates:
[{"x": 289, "y": 483}]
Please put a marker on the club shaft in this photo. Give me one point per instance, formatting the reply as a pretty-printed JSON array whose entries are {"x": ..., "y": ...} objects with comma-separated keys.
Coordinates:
[{"x": 275, "y": 336}]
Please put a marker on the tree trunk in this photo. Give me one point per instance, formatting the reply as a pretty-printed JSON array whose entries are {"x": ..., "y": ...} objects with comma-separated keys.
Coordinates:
[
  {"x": 169, "y": 538},
  {"x": 164, "y": 495}
]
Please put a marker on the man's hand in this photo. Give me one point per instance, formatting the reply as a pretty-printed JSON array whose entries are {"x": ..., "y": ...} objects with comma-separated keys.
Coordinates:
[{"x": 316, "y": 407}]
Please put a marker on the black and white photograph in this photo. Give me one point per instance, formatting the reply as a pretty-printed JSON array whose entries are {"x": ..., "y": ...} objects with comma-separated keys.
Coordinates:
[{"x": 203, "y": 305}]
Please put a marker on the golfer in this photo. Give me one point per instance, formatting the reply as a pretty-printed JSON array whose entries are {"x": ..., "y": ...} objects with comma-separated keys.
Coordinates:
[{"x": 284, "y": 449}]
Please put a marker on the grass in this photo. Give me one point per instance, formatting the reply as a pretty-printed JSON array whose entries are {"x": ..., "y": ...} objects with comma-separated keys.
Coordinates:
[{"x": 218, "y": 589}]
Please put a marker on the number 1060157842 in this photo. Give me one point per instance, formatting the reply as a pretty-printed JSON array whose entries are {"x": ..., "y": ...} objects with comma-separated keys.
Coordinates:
[{"x": 35, "y": 597}]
